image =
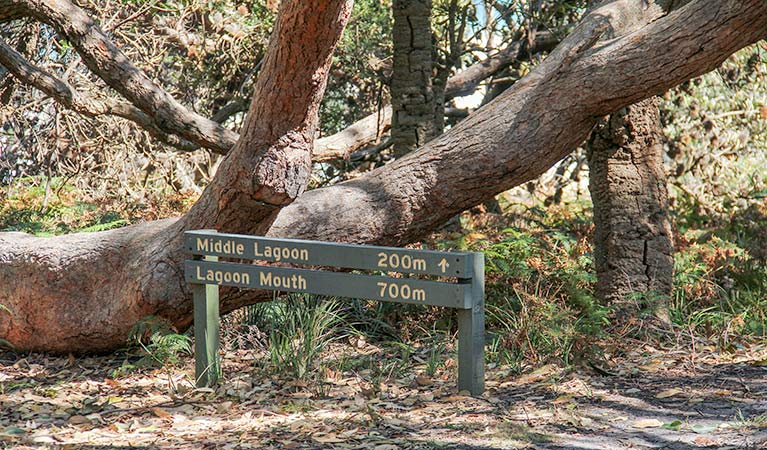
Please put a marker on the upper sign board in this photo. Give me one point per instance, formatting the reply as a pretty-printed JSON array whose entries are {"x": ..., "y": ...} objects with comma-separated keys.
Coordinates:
[{"x": 316, "y": 253}]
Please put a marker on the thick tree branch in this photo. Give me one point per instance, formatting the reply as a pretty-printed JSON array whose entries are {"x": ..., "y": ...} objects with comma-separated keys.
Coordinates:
[
  {"x": 271, "y": 164},
  {"x": 79, "y": 102},
  {"x": 111, "y": 65}
]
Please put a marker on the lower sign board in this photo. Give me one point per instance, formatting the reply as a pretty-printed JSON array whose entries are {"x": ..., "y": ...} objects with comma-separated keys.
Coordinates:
[{"x": 399, "y": 290}]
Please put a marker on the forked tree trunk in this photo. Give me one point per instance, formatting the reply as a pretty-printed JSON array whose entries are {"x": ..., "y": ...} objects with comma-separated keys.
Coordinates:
[
  {"x": 633, "y": 250},
  {"x": 83, "y": 292}
]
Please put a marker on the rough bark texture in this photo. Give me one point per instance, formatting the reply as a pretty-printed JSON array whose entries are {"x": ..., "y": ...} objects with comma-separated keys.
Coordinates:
[
  {"x": 633, "y": 248},
  {"x": 61, "y": 299},
  {"x": 412, "y": 94},
  {"x": 84, "y": 291},
  {"x": 271, "y": 164}
]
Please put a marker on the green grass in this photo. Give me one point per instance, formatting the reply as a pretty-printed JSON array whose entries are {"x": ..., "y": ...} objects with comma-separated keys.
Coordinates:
[{"x": 299, "y": 329}]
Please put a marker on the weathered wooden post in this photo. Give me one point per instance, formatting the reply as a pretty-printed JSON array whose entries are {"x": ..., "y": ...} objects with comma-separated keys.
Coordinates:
[
  {"x": 471, "y": 332},
  {"x": 207, "y": 363}
]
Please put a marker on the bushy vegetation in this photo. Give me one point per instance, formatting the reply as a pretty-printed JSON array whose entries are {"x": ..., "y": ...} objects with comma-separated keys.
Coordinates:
[{"x": 154, "y": 343}]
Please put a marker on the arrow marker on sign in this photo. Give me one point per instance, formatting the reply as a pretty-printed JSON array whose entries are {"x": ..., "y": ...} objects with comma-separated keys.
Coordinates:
[{"x": 443, "y": 265}]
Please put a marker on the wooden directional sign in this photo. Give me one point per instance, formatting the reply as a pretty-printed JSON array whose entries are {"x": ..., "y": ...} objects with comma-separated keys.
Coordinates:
[
  {"x": 399, "y": 290},
  {"x": 466, "y": 294},
  {"x": 316, "y": 253}
]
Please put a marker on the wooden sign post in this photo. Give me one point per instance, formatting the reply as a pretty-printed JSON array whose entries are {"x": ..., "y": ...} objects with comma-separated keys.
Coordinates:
[{"x": 205, "y": 273}]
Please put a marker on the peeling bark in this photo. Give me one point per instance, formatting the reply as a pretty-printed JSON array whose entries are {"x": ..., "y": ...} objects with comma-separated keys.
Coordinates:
[
  {"x": 101, "y": 283},
  {"x": 633, "y": 249}
]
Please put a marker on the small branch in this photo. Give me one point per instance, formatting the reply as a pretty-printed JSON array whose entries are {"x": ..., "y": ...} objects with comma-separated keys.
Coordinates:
[
  {"x": 111, "y": 65},
  {"x": 457, "y": 113},
  {"x": 228, "y": 110},
  {"x": 466, "y": 81},
  {"x": 743, "y": 112},
  {"x": 50, "y": 85},
  {"x": 64, "y": 94},
  {"x": 360, "y": 155}
]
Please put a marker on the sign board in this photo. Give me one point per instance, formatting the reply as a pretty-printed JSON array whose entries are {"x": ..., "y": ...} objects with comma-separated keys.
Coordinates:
[
  {"x": 463, "y": 287},
  {"x": 317, "y": 253},
  {"x": 399, "y": 290}
]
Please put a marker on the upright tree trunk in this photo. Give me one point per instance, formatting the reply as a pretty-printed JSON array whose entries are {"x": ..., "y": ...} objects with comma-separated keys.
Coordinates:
[
  {"x": 412, "y": 94},
  {"x": 633, "y": 248}
]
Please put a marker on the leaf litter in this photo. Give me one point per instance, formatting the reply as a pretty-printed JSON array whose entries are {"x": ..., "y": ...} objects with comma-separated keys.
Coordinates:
[{"x": 655, "y": 399}]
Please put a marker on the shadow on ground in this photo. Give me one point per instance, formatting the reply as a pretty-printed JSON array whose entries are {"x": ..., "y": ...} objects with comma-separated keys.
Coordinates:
[{"x": 667, "y": 403}]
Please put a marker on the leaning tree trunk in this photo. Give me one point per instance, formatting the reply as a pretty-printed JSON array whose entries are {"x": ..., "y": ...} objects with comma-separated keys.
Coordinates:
[
  {"x": 633, "y": 250},
  {"x": 83, "y": 292}
]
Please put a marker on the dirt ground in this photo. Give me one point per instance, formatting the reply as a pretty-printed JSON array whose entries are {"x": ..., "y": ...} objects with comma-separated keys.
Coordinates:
[{"x": 651, "y": 398}]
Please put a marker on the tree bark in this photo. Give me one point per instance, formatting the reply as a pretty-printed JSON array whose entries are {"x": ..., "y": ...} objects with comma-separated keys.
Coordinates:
[
  {"x": 412, "y": 93},
  {"x": 83, "y": 292},
  {"x": 633, "y": 249}
]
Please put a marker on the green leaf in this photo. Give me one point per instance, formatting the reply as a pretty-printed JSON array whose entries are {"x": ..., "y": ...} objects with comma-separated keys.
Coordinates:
[
  {"x": 675, "y": 425},
  {"x": 14, "y": 431}
]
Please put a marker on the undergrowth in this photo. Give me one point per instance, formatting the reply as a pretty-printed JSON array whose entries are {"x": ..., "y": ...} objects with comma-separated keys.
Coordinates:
[
  {"x": 157, "y": 345},
  {"x": 50, "y": 207},
  {"x": 540, "y": 304},
  {"x": 540, "y": 281},
  {"x": 297, "y": 330}
]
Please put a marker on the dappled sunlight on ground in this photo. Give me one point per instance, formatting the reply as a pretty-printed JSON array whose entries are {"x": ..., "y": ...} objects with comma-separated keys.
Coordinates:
[{"x": 648, "y": 399}]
